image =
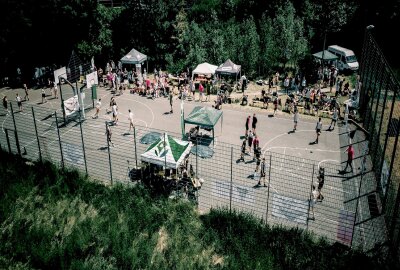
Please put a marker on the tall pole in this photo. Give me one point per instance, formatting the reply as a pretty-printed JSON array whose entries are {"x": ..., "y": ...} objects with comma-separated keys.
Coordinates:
[
  {"x": 62, "y": 101},
  {"x": 269, "y": 184},
  {"x": 134, "y": 140},
  {"x": 83, "y": 143},
  {"x": 15, "y": 130},
  {"x": 59, "y": 141},
  {"x": 37, "y": 136},
  {"x": 109, "y": 153},
  {"x": 231, "y": 188}
]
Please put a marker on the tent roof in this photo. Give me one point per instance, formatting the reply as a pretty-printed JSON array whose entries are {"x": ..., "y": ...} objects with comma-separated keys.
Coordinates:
[
  {"x": 171, "y": 155},
  {"x": 134, "y": 57},
  {"x": 203, "y": 116},
  {"x": 204, "y": 68},
  {"x": 327, "y": 55},
  {"x": 228, "y": 68}
]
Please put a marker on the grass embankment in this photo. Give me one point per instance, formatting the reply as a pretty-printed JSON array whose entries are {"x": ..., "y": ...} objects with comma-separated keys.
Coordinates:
[{"x": 54, "y": 219}]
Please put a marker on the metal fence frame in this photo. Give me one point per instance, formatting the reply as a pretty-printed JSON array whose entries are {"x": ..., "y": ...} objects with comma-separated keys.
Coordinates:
[
  {"x": 229, "y": 183},
  {"x": 380, "y": 108}
]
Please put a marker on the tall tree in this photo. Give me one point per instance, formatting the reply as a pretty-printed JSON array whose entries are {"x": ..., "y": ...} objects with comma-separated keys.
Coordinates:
[
  {"x": 249, "y": 46},
  {"x": 329, "y": 16},
  {"x": 283, "y": 37}
]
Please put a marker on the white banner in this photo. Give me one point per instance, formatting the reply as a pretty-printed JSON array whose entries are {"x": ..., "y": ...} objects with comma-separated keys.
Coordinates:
[
  {"x": 92, "y": 79},
  {"x": 59, "y": 72}
]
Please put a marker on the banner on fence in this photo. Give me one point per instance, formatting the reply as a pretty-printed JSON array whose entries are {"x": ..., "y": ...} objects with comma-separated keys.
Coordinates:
[
  {"x": 289, "y": 208},
  {"x": 240, "y": 194},
  {"x": 73, "y": 153}
]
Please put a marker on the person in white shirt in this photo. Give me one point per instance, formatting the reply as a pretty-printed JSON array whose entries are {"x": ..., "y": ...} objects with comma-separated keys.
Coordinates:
[
  {"x": 98, "y": 106},
  {"x": 318, "y": 129},
  {"x": 19, "y": 102},
  {"x": 115, "y": 114},
  {"x": 130, "y": 118}
]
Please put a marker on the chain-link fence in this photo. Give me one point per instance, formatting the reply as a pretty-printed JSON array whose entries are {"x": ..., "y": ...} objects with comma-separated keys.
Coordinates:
[
  {"x": 216, "y": 176},
  {"x": 380, "y": 106}
]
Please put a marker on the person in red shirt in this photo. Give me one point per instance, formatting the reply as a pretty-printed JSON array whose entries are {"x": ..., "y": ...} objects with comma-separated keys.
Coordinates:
[
  {"x": 350, "y": 157},
  {"x": 201, "y": 92}
]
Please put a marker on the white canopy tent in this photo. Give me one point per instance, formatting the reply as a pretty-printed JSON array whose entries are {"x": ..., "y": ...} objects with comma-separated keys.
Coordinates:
[{"x": 205, "y": 69}]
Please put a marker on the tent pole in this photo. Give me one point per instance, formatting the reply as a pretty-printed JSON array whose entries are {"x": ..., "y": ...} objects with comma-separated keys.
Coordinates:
[{"x": 213, "y": 136}]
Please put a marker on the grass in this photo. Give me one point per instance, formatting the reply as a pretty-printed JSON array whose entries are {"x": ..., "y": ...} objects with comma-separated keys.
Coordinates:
[{"x": 57, "y": 219}]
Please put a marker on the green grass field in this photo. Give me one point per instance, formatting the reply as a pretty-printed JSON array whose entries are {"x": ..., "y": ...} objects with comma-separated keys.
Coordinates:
[{"x": 57, "y": 219}]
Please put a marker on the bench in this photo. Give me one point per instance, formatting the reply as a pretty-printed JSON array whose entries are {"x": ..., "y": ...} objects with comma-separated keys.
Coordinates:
[{"x": 324, "y": 113}]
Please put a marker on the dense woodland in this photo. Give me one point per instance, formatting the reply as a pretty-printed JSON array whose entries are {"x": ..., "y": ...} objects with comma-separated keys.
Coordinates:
[{"x": 179, "y": 34}]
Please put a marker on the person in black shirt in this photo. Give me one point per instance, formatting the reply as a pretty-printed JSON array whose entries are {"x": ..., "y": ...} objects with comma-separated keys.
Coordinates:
[{"x": 254, "y": 123}]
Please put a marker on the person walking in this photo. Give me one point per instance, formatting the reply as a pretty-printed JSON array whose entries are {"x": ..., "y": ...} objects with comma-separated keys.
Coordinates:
[
  {"x": 318, "y": 129},
  {"x": 315, "y": 197},
  {"x": 250, "y": 140},
  {"x": 321, "y": 179},
  {"x": 115, "y": 114},
  {"x": 243, "y": 150},
  {"x": 109, "y": 134},
  {"x": 334, "y": 119},
  {"x": 275, "y": 105},
  {"x": 201, "y": 92},
  {"x": 295, "y": 118},
  {"x": 98, "y": 106},
  {"x": 55, "y": 90},
  {"x": 256, "y": 144},
  {"x": 26, "y": 92},
  {"x": 19, "y": 102},
  {"x": 130, "y": 118},
  {"x": 247, "y": 125},
  {"x": 254, "y": 123},
  {"x": 44, "y": 100},
  {"x": 350, "y": 158},
  {"x": 5, "y": 104},
  {"x": 263, "y": 172},
  {"x": 171, "y": 100}
]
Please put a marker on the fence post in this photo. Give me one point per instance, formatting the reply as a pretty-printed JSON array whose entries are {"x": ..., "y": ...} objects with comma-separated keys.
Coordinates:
[
  {"x": 197, "y": 155},
  {"x": 37, "y": 136},
  {"x": 8, "y": 141},
  {"x": 83, "y": 144},
  {"x": 109, "y": 152},
  {"x": 358, "y": 201},
  {"x": 310, "y": 198},
  {"x": 393, "y": 221},
  {"x": 134, "y": 140},
  {"x": 165, "y": 156},
  {"x": 231, "y": 188},
  {"x": 269, "y": 184},
  {"x": 15, "y": 130},
  {"x": 59, "y": 141}
]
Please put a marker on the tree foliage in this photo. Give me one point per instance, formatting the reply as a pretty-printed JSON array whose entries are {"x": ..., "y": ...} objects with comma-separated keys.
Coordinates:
[{"x": 176, "y": 34}]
